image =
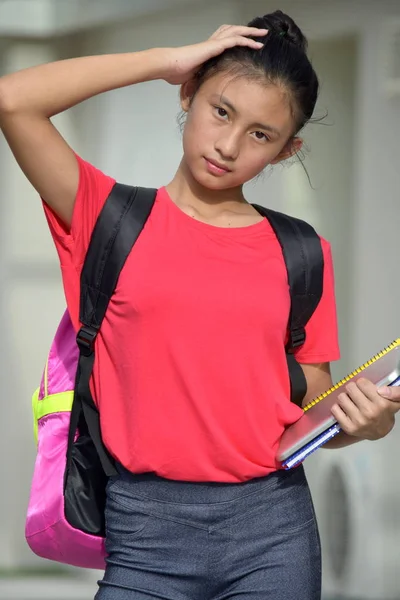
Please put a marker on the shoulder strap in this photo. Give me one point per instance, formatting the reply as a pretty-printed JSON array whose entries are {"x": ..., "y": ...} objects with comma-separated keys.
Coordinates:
[
  {"x": 302, "y": 251},
  {"x": 117, "y": 228}
]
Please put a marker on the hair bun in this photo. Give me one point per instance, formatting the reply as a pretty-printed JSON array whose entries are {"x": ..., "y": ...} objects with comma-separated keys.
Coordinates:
[{"x": 279, "y": 23}]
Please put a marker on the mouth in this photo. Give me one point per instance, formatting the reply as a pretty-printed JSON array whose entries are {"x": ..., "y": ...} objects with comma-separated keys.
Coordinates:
[{"x": 216, "y": 168}]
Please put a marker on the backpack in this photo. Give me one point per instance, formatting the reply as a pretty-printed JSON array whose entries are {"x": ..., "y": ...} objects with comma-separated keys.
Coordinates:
[{"x": 65, "y": 518}]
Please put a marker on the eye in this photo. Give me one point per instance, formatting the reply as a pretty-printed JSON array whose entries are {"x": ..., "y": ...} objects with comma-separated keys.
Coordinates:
[
  {"x": 221, "y": 112},
  {"x": 259, "y": 135}
]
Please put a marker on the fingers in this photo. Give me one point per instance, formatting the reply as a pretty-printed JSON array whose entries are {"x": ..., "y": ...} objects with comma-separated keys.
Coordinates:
[
  {"x": 343, "y": 419},
  {"x": 362, "y": 412},
  {"x": 241, "y": 30},
  {"x": 230, "y": 42},
  {"x": 228, "y": 36},
  {"x": 364, "y": 387},
  {"x": 355, "y": 422},
  {"x": 353, "y": 415},
  {"x": 361, "y": 396},
  {"x": 236, "y": 35}
]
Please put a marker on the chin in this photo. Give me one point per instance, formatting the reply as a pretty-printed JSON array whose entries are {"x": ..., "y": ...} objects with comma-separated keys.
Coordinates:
[{"x": 210, "y": 182}]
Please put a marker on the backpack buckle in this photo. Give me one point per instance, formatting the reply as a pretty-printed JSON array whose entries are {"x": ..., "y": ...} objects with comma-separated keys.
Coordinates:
[
  {"x": 297, "y": 337},
  {"x": 85, "y": 340}
]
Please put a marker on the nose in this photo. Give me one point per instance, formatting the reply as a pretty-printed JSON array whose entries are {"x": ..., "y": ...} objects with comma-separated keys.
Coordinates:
[{"x": 228, "y": 145}]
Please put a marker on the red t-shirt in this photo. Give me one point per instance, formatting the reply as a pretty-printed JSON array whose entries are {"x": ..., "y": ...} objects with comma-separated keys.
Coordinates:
[{"x": 190, "y": 375}]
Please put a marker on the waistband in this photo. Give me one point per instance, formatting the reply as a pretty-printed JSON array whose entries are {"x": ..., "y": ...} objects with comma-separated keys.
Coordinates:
[{"x": 153, "y": 486}]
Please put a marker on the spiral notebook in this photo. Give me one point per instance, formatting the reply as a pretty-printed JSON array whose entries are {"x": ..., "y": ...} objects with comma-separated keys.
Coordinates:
[{"x": 317, "y": 425}]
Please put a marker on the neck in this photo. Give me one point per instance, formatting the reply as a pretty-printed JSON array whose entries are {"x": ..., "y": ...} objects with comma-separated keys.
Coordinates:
[{"x": 186, "y": 190}]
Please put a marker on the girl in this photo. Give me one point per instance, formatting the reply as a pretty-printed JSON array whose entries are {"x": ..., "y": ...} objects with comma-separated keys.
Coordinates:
[{"x": 190, "y": 376}]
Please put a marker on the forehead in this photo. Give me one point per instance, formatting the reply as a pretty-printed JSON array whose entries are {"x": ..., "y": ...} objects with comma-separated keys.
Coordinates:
[{"x": 253, "y": 100}]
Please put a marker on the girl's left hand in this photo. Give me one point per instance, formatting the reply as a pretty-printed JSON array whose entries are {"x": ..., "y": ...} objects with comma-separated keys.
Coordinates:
[{"x": 366, "y": 413}]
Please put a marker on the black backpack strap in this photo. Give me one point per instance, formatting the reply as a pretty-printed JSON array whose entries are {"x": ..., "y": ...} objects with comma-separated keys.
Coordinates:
[
  {"x": 302, "y": 252},
  {"x": 117, "y": 228}
]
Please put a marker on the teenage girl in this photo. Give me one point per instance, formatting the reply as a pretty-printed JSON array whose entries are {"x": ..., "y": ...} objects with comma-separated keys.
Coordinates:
[{"x": 190, "y": 376}]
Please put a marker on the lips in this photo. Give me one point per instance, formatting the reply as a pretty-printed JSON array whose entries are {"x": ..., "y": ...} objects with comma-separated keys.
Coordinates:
[{"x": 218, "y": 165}]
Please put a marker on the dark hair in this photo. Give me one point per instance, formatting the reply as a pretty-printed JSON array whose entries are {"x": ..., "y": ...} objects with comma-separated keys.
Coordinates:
[{"x": 282, "y": 60}]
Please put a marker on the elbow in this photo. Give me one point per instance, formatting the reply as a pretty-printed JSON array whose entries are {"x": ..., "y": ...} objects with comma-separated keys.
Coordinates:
[
  {"x": 5, "y": 104},
  {"x": 8, "y": 104}
]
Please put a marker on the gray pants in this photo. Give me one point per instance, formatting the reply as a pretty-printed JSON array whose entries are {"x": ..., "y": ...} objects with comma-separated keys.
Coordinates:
[{"x": 177, "y": 540}]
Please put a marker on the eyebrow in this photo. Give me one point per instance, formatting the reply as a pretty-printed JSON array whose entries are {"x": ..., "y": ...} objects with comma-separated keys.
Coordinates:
[{"x": 227, "y": 103}]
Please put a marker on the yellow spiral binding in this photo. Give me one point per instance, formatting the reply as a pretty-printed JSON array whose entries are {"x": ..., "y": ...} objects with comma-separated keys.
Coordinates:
[{"x": 393, "y": 345}]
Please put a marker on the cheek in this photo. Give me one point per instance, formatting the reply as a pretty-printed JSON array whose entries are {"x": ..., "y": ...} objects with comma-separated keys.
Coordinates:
[
  {"x": 190, "y": 140},
  {"x": 254, "y": 160},
  {"x": 196, "y": 133}
]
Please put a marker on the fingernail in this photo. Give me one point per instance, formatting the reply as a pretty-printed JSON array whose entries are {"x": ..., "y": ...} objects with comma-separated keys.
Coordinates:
[{"x": 384, "y": 391}]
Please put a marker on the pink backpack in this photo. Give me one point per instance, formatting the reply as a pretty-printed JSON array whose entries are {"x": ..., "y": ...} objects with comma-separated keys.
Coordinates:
[{"x": 65, "y": 520}]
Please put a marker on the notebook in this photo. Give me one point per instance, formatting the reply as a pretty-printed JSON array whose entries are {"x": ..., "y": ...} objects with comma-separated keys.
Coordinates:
[{"x": 317, "y": 425}]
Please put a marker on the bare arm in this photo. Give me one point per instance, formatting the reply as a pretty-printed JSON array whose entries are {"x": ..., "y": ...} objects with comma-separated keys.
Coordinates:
[{"x": 29, "y": 98}]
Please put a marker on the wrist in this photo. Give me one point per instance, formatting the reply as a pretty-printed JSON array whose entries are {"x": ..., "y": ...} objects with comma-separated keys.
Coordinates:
[{"x": 159, "y": 62}]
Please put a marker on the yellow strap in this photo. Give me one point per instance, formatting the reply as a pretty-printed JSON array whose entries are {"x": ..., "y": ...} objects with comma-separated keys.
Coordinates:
[{"x": 55, "y": 403}]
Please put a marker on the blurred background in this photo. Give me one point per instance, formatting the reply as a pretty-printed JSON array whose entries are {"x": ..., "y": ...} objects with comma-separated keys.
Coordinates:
[{"x": 353, "y": 200}]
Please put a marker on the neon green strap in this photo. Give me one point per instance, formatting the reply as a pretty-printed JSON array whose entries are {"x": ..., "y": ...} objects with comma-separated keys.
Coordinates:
[{"x": 55, "y": 403}]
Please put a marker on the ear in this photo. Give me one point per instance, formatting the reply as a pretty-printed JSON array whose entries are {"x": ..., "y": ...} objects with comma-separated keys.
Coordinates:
[
  {"x": 187, "y": 93},
  {"x": 294, "y": 145}
]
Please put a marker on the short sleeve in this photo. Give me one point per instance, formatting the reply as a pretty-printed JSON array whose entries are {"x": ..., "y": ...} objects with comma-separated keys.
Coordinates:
[
  {"x": 322, "y": 343},
  {"x": 93, "y": 190}
]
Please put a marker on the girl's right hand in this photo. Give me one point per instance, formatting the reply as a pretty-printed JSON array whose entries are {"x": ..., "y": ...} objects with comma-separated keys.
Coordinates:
[{"x": 183, "y": 62}]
